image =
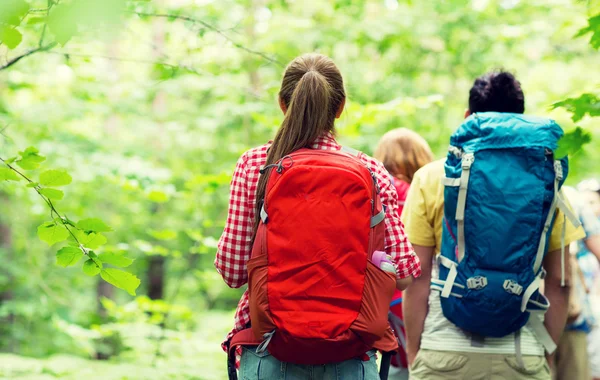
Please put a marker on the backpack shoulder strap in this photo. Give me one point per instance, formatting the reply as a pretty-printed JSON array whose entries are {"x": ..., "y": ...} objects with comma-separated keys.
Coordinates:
[{"x": 350, "y": 151}]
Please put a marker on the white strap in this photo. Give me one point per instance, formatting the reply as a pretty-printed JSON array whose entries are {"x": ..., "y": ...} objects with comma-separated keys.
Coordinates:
[
  {"x": 350, "y": 151},
  {"x": 439, "y": 289},
  {"x": 538, "y": 329},
  {"x": 567, "y": 214},
  {"x": 263, "y": 214},
  {"x": 452, "y": 182},
  {"x": 562, "y": 252},
  {"x": 449, "y": 282},
  {"x": 562, "y": 206},
  {"x": 455, "y": 151},
  {"x": 443, "y": 260},
  {"x": 535, "y": 285},
  {"x": 266, "y": 340},
  {"x": 441, "y": 283},
  {"x": 518, "y": 352},
  {"x": 467, "y": 161},
  {"x": 542, "y": 245}
]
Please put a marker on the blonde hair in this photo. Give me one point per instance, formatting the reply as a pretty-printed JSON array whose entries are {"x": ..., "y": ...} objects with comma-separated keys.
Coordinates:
[{"x": 403, "y": 152}]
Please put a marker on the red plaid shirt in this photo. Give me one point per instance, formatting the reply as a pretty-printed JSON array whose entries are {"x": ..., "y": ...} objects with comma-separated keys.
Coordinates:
[{"x": 234, "y": 247}]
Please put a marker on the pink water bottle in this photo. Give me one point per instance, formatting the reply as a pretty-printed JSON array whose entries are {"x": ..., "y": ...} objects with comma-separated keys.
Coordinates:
[{"x": 383, "y": 261}]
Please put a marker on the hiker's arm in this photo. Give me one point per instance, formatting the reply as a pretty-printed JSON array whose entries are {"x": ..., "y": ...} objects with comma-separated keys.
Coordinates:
[
  {"x": 415, "y": 302},
  {"x": 556, "y": 316},
  {"x": 403, "y": 283},
  {"x": 593, "y": 244},
  {"x": 396, "y": 243},
  {"x": 591, "y": 226},
  {"x": 234, "y": 247}
]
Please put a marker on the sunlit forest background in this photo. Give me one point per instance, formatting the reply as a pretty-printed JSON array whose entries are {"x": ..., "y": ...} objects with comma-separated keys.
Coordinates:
[{"x": 143, "y": 107}]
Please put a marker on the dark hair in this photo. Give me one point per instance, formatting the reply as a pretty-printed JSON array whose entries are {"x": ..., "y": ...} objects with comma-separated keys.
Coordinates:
[
  {"x": 312, "y": 91},
  {"x": 497, "y": 91}
]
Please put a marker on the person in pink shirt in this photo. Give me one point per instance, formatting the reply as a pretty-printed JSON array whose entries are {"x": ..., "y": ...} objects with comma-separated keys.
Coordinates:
[{"x": 402, "y": 152}]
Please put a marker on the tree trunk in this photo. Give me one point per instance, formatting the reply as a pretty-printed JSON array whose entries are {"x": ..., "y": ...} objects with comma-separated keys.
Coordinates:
[{"x": 156, "y": 277}]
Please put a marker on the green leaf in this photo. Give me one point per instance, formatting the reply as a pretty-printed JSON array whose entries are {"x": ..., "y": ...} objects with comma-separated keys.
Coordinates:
[
  {"x": 121, "y": 279},
  {"x": 90, "y": 240},
  {"x": 12, "y": 11},
  {"x": 32, "y": 184},
  {"x": 36, "y": 20},
  {"x": 11, "y": 160},
  {"x": 65, "y": 18},
  {"x": 68, "y": 256},
  {"x": 594, "y": 28},
  {"x": 52, "y": 233},
  {"x": 55, "y": 178},
  {"x": 115, "y": 259},
  {"x": 7, "y": 174},
  {"x": 30, "y": 159},
  {"x": 62, "y": 22},
  {"x": 164, "y": 234},
  {"x": 158, "y": 196},
  {"x": 91, "y": 268},
  {"x": 586, "y": 104},
  {"x": 93, "y": 225},
  {"x": 53, "y": 194},
  {"x": 10, "y": 36},
  {"x": 572, "y": 142}
]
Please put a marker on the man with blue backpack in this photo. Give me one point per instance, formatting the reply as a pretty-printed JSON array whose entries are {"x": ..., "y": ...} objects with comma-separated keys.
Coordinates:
[{"x": 493, "y": 218}]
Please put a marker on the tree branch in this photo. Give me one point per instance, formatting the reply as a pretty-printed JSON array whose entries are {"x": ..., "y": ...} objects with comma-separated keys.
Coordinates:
[
  {"x": 172, "y": 66},
  {"x": 27, "y": 54},
  {"x": 214, "y": 29},
  {"x": 53, "y": 210}
]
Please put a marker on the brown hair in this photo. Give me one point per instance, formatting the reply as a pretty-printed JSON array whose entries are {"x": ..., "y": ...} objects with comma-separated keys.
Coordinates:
[
  {"x": 312, "y": 91},
  {"x": 403, "y": 152}
]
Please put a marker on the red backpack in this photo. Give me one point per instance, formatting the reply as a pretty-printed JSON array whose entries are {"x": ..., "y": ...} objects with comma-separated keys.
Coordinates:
[{"x": 315, "y": 296}]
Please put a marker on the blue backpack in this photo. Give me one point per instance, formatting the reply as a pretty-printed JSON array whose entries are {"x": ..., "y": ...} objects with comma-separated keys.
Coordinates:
[{"x": 501, "y": 192}]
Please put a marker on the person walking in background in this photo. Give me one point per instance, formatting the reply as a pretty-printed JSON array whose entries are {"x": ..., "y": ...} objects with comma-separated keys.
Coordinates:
[
  {"x": 402, "y": 152},
  {"x": 588, "y": 259},
  {"x": 572, "y": 358},
  {"x": 467, "y": 209},
  {"x": 326, "y": 307}
]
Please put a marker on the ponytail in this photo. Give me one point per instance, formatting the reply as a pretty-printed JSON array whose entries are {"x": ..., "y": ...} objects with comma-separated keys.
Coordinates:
[{"x": 312, "y": 91}]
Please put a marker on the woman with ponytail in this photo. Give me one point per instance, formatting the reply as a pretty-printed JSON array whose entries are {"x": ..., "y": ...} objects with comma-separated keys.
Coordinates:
[{"x": 312, "y": 96}]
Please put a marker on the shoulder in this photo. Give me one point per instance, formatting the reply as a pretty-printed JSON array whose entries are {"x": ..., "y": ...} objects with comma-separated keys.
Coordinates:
[
  {"x": 430, "y": 175},
  {"x": 255, "y": 157},
  {"x": 377, "y": 168}
]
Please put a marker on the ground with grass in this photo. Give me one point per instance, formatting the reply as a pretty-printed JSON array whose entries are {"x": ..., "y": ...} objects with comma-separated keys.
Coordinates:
[{"x": 194, "y": 356}]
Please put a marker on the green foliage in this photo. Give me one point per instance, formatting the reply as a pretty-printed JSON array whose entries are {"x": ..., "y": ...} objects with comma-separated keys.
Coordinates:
[
  {"x": 572, "y": 142},
  {"x": 53, "y": 194},
  {"x": 115, "y": 259},
  {"x": 585, "y": 104},
  {"x": 121, "y": 279},
  {"x": 30, "y": 159},
  {"x": 55, "y": 178},
  {"x": 10, "y": 36},
  {"x": 12, "y": 11},
  {"x": 91, "y": 268},
  {"x": 93, "y": 225},
  {"x": 52, "y": 233},
  {"x": 8, "y": 175},
  {"x": 68, "y": 256},
  {"x": 593, "y": 28},
  {"x": 90, "y": 240}
]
